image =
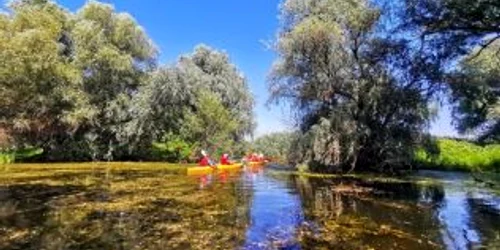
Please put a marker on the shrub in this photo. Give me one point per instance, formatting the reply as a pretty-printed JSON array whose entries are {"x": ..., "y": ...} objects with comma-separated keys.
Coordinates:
[{"x": 460, "y": 155}]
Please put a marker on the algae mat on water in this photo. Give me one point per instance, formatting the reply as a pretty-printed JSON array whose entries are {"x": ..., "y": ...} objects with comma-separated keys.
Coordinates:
[{"x": 116, "y": 206}]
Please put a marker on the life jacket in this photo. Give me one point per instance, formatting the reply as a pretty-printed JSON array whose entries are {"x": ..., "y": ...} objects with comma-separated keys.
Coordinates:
[
  {"x": 205, "y": 161},
  {"x": 224, "y": 160}
]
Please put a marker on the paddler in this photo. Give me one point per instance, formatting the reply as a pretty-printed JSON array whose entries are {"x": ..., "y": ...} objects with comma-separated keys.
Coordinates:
[
  {"x": 224, "y": 160},
  {"x": 205, "y": 160}
]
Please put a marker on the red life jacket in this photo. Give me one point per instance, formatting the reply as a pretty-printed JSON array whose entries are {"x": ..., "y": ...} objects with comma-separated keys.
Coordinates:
[
  {"x": 224, "y": 160},
  {"x": 205, "y": 161}
]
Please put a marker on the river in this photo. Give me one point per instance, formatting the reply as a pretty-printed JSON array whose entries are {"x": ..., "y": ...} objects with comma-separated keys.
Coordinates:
[{"x": 43, "y": 208}]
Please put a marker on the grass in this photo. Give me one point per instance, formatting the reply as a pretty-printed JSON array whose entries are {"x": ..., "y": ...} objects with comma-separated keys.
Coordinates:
[
  {"x": 453, "y": 155},
  {"x": 99, "y": 166}
]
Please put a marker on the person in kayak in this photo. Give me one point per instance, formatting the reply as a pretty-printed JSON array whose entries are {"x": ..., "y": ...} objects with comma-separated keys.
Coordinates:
[
  {"x": 205, "y": 160},
  {"x": 224, "y": 160},
  {"x": 252, "y": 157}
]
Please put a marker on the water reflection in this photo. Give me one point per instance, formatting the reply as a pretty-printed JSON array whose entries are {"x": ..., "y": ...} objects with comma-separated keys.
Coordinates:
[
  {"x": 357, "y": 214},
  {"x": 275, "y": 214},
  {"x": 254, "y": 209}
]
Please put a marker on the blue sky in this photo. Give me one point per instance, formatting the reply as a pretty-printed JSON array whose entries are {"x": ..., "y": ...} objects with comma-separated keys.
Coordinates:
[{"x": 237, "y": 27}]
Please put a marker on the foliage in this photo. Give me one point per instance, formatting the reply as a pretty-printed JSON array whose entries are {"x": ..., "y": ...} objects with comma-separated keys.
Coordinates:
[
  {"x": 203, "y": 98},
  {"x": 40, "y": 88},
  {"x": 85, "y": 86},
  {"x": 357, "y": 105},
  {"x": 275, "y": 145},
  {"x": 114, "y": 55},
  {"x": 11, "y": 156},
  {"x": 460, "y": 155},
  {"x": 173, "y": 149},
  {"x": 6, "y": 158},
  {"x": 476, "y": 91},
  {"x": 68, "y": 78},
  {"x": 210, "y": 121},
  {"x": 466, "y": 33},
  {"x": 453, "y": 27}
]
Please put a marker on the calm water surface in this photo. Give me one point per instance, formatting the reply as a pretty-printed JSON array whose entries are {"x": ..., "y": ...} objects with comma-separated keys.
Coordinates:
[{"x": 89, "y": 208}]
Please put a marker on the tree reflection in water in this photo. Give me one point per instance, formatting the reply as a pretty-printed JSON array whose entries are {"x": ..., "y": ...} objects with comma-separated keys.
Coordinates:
[{"x": 141, "y": 208}]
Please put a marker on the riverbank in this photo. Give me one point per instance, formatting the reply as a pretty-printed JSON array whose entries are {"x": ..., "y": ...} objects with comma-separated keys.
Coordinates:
[
  {"x": 27, "y": 170},
  {"x": 455, "y": 155}
]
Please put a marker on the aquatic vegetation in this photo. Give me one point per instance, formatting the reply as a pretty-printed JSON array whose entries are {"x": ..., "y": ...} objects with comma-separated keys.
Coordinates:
[
  {"x": 347, "y": 214},
  {"x": 156, "y": 206},
  {"x": 366, "y": 178},
  {"x": 127, "y": 206},
  {"x": 349, "y": 232}
]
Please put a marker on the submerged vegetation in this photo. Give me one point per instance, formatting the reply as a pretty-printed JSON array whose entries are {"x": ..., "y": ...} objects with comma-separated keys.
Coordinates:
[
  {"x": 155, "y": 206},
  {"x": 118, "y": 205}
]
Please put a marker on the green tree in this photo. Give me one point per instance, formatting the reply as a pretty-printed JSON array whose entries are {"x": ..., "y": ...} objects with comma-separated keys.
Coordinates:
[
  {"x": 114, "y": 56},
  {"x": 41, "y": 91},
  {"x": 68, "y": 79},
  {"x": 85, "y": 86},
  {"x": 356, "y": 105},
  {"x": 464, "y": 33},
  {"x": 275, "y": 145},
  {"x": 454, "y": 27},
  {"x": 210, "y": 125},
  {"x": 476, "y": 91},
  {"x": 183, "y": 93},
  {"x": 214, "y": 71}
]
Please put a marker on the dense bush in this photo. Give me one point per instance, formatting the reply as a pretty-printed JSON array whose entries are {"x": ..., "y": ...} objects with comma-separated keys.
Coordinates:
[
  {"x": 275, "y": 145},
  {"x": 460, "y": 155},
  {"x": 11, "y": 156}
]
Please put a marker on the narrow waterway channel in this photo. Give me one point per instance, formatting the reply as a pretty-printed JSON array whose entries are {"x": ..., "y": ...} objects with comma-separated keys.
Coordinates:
[{"x": 137, "y": 208}]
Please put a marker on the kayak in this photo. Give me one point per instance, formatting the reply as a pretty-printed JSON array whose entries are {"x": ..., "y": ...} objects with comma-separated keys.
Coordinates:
[{"x": 208, "y": 170}]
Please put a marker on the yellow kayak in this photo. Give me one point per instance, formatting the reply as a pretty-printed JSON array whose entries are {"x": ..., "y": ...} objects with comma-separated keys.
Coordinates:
[{"x": 208, "y": 170}]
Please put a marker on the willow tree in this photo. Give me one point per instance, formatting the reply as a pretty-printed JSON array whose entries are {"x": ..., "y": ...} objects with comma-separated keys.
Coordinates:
[
  {"x": 356, "y": 107},
  {"x": 67, "y": 79},
  {"x": 41, "y": 93},
  {"x": 454, "y": 27},
  {"x": 114, "y": 55},
  {"x": 464, "y": 35},
  {"x": 202, "y": 89},
  {"x": 219, "y": 75},
  {"x": 475, "y": 89}
]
